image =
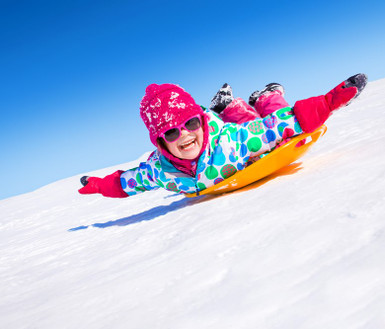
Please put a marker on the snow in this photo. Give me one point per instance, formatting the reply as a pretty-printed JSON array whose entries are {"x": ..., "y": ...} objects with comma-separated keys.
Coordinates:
[{"x": 304, "y": 249}]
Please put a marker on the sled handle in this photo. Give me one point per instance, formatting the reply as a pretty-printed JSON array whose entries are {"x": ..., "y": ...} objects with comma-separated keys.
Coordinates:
[
  {"x": 299, "y": 145},
  {"x": 307, "y": 139}
]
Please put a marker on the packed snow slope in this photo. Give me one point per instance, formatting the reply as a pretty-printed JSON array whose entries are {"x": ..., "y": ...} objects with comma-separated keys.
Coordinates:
[{"x": 304, "y": 249}]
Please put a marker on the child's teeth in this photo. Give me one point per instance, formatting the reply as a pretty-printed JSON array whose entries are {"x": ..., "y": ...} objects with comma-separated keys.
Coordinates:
[{"x": 186, "y": 145}]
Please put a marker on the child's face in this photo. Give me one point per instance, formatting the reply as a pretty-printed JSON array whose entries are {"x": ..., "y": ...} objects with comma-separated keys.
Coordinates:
[{"x": 188, "y": 145}]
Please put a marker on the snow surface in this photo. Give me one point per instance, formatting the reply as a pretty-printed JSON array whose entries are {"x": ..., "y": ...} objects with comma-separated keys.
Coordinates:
[{"x": 301, "y": 250}]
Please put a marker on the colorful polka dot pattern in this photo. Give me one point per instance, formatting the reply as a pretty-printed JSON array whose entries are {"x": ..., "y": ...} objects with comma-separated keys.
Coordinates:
[{"x": 229, "y": 149}]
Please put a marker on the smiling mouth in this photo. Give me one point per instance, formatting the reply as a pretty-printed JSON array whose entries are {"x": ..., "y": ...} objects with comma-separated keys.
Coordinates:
[{"x": 188, "y": 145}]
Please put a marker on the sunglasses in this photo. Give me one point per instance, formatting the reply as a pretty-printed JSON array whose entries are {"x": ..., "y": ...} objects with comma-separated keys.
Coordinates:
[{"x": 173, "y": 134}]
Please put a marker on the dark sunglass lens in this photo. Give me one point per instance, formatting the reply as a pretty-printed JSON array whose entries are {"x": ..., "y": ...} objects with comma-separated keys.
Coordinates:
[
  {"x": 171, "y": 135},
  {"x": 193, "y": 124}
]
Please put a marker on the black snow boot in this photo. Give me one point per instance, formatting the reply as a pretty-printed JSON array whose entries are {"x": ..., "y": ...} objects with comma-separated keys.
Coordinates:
[
  {"x": 359, "y": 81},
  {"x": 84, "y": 180},
  {"x": 269, "y": 88},
  {"x": 221, "y": 99}
]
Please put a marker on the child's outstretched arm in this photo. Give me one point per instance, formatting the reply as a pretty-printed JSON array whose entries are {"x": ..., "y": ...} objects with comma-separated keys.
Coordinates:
[
  {"x": 121, "y": 184},
  {"x": 313, "y": 112}
]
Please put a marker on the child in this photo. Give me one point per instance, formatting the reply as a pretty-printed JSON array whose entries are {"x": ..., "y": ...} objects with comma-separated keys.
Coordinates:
[{"x": 197, "y": 149}]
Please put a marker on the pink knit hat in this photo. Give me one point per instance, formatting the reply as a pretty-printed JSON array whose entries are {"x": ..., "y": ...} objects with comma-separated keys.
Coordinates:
[{"x": 166, "y": 106}]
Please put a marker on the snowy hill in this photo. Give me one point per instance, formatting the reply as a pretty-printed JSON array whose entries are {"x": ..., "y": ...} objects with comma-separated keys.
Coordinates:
[{"x": 302, "y": 250}]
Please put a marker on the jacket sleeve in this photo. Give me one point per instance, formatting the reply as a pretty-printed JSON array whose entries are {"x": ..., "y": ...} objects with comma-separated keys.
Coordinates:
[{"x": 145, "y": 177}]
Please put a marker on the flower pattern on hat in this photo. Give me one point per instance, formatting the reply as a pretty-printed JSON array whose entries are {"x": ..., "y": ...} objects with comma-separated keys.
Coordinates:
[{"x": 166, "y": 106}]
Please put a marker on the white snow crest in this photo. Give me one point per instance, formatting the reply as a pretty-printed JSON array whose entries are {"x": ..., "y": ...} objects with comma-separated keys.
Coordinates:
[
  {"x": 167, "y": 117},
  {"x": 174, "y": 95},
  {"x": 175, "y": 103},
  {"x": 158, "y": 103},
  {"x": 149, "y": 117}
]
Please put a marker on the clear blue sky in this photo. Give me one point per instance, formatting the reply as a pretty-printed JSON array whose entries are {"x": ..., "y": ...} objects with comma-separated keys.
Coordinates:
[{"x": 72, "y": 73}]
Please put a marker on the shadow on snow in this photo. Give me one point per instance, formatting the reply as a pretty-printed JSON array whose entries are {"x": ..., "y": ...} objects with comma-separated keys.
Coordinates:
[
  {"x": 147, "y": 215},
  {"x": 152, "y": 213}
]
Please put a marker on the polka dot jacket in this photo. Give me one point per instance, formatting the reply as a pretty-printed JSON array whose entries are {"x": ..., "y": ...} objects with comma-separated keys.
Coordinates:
[{"x": 229, "y": 149}]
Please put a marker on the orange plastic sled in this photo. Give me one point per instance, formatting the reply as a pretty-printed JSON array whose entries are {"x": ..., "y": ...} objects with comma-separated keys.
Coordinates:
[{"x": 275, "y": 160}]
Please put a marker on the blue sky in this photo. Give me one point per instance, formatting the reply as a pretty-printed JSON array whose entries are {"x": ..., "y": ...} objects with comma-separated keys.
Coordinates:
[{"x": 72, "y": 73}]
